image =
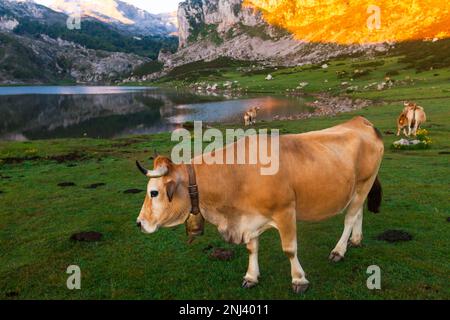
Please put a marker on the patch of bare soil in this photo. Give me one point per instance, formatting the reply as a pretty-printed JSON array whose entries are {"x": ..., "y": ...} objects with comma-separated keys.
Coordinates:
[
  {"x": 394, "y": 236},
  {"x": 66, "y": 184},
  {"x": 90, "y": 236},
  {"x": 133, "y": 191}
]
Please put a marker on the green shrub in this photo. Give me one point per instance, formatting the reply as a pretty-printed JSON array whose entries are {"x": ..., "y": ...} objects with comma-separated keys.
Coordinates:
[{"x": 148, "y": 68}]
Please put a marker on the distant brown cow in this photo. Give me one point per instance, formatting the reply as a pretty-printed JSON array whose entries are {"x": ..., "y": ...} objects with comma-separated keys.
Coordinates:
[
  {"x": 321, "y": 174},
  {"x": 250, "y": 116},
  {"x": 411, "y": 118}
]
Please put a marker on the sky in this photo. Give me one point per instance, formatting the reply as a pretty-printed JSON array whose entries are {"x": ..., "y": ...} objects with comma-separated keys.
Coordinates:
[{"x": 153, "y": 6}]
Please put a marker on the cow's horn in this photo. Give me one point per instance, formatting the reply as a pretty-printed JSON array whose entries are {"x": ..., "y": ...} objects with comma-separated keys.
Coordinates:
[
  {"x": 141, "y": 168},
  {"x": 160, "y": 172}
]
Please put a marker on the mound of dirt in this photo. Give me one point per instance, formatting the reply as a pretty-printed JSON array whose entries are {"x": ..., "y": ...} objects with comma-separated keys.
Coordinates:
[
  {"x": 90, "y": 236},
  {"x": 394, "y": 236},
  {"x": 221, "y": 254},
  {"x": 66, "y": 184},
  {"x": 133, "y": 191}
]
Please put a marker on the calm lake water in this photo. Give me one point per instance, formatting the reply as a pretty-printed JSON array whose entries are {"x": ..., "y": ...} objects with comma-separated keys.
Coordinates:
[{"x": 29, "y": 113}]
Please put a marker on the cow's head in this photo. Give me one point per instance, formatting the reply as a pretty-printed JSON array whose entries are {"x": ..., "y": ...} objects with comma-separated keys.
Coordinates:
[
  {"x": 410, "y": 105},
  {"x": 402, "y": 122},
  {"x": 167, "y": 201}
]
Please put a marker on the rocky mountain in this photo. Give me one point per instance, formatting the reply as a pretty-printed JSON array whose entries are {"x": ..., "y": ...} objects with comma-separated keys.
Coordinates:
[
  {"x": 209, "y": 29},
  {"x": 122, "y": 15},
  {"x": 25, "y": 60},
  {"x": 37, "y": 47}
]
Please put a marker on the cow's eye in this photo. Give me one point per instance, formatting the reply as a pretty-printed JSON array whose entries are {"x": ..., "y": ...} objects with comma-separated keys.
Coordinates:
[{"x": 154, "y": 194}]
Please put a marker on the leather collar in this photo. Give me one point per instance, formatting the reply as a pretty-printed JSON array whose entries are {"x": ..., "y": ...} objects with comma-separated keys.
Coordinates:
[{"x": 193, "y": 190}]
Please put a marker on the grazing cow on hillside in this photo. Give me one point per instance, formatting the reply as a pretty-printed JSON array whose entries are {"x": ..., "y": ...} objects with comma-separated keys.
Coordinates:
[
  {"x": 412, "y": 117},
  {"x": 321, "y": 174}
]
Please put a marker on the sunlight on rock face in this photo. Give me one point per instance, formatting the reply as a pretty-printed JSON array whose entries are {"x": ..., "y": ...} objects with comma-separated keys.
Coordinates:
[
  {"x": 358, "y": 21},
  {"x": 97, "y": 9}
]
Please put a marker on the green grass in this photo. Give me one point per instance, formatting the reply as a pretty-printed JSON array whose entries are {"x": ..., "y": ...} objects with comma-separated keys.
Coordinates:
[{"x": 37, "y": 217}]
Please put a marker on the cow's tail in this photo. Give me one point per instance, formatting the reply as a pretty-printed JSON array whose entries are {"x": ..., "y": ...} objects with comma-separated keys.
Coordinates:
[{"x": 375, "y": 196}]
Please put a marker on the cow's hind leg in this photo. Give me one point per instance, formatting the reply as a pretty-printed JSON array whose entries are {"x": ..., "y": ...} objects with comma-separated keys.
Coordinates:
[
  {"x": 357, "y": 236},
  {"x": 252, "y": 275},
  {"x": 354, "y": 212},
  {"x": 288, "y": 233}
]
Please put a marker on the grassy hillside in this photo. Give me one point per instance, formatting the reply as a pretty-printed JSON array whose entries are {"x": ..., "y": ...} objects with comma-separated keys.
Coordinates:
[{"x": 37, "y": 217}]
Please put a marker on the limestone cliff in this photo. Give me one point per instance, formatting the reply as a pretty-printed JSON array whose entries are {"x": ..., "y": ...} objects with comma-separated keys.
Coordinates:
[{"x": 209, "y": 29}]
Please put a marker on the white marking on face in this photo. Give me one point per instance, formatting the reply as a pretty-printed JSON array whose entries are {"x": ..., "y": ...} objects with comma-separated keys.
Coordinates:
[{"x": 147, "y": 228}]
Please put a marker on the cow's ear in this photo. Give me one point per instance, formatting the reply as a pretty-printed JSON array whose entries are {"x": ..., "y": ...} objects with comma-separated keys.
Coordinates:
[{"x": 171, "y": 187}]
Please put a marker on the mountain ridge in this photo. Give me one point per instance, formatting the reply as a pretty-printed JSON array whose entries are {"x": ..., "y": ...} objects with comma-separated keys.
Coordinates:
[
  {"x": 37, "y": 47},
  {"x": 122, "y": 15}
]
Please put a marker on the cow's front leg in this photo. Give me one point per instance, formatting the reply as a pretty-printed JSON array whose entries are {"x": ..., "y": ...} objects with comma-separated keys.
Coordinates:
[
  {"x": 416, "y": 127},
  {"x": 288, "y": 233},
  {"x": 252, "y": 275}
]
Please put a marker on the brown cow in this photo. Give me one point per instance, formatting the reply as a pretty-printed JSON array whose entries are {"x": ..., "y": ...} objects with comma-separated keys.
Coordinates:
[
  {"x": 411, "y": 118},
  {"x": 321, "y": 174},
  {"x": 250, "y": 116}
]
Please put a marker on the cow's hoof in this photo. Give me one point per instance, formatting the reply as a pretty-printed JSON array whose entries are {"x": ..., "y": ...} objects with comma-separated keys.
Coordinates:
[
  {"x": 300, "y": 287},
  {"x": 247, "y": 284},
  {"x": 335, "y": 257},
  {"x": 355, "y": 244}
]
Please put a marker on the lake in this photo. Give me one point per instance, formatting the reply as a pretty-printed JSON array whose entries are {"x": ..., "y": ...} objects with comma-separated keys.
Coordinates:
[{"x": 47, "y": 112}]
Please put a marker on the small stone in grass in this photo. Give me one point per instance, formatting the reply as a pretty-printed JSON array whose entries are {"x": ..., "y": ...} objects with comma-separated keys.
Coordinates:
[
  {"x": 66, "y": 184},
  {"x": 90, "y": 236},
  {"x": 133, "y": 191},
  {"x": 394, "y": 236}
]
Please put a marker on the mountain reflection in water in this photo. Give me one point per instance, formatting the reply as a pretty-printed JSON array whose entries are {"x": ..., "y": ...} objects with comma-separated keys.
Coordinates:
[{"x": 29, "y": 113}]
